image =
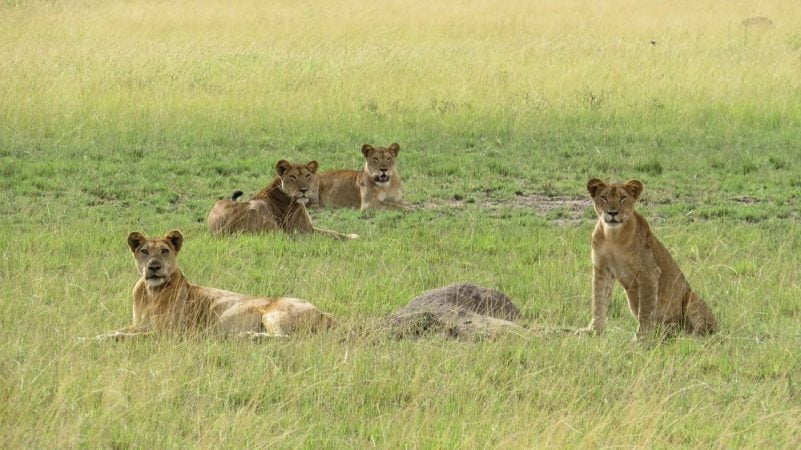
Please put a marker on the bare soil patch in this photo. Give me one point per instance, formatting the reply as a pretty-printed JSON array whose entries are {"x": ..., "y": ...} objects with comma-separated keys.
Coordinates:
[
  {"x": 563, "y": 210},
  {"x": 746, "y": 200}
]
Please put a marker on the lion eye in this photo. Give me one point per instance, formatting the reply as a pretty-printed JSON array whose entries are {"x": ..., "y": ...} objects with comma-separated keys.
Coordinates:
[
  {"x": 603, "y": 197},
  {"x": 308, "y": 176},
  {"x": 375, "y": 159},
  {"x": 622, "y": 199},
  {"x": 144, "y": 251},
  {"x": 164, "y": 251},
  {"x": 293, "y": 177}
]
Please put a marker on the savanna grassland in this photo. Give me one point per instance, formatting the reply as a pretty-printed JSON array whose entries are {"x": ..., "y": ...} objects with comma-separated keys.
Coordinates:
[{"x": 120, "y": 116}]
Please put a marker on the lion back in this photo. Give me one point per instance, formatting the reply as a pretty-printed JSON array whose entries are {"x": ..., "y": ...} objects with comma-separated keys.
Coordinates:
[{"x": 340, "y": 189}]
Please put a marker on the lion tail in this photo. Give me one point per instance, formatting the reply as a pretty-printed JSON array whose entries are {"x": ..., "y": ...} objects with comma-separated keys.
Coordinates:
[
  {"x": 236, "y": 195},
  {"x": 699, "y": 316}
]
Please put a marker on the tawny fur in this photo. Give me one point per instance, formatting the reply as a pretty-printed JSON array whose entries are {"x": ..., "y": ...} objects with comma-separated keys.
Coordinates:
[
  {"x": 165, "y": 302},
  {"x": 625, "y": 249},
  {"x": 377, "y": 185},
  {"x": 281, "y": 206}
]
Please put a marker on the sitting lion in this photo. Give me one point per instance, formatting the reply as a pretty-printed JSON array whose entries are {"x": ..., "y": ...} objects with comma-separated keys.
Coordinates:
[
  {"x": 625, "y": 249},
  {"x": 164, "y": 301},
  {"x": 377, "y": 185},
  {"x": 279, "y": 206}
]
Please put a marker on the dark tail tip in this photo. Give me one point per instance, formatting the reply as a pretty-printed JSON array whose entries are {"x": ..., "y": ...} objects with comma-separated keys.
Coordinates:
[{"x": 236, "y": 195}]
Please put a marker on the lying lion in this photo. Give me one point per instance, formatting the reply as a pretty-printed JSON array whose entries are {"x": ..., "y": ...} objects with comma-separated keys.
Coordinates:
[
  {"x": 164, "y": 301},
  {"x": 377, "y": 185},
  {"x": 279, "y": 206},
  {"x": 625, "y": 249}
]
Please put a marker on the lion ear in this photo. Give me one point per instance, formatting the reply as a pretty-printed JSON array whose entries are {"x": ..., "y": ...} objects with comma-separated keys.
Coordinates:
[
  {"x": 282, "y": 166},
  {"x": 594, "y": 185},
  {"x": 313, "y": 166},
  {"x": 635, "y": 187},
  {"x": 176, "y": 239},
  {"x": 395, "y": 149},
  {"x": 367, "y": 149},
  {"x": 135, "y": 240}
]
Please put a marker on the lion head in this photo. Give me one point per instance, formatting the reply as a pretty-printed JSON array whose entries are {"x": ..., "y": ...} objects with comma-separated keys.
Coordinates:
[
  {"x": 614, "y": 202},
  {"x": 299, "y": 181},
  {"x": 380, "y": 162},
  {"x": 156, "y": 257}
]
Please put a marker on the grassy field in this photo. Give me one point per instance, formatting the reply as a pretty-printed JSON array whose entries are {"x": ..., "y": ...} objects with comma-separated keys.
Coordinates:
[{"x": 121, "y": 116}]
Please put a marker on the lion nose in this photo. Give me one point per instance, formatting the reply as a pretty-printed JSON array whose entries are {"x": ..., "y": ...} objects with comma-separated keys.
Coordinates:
[
  {"x": 154, "y": 266},
  {"x": 303, "y": 190},
  {"x": 612, "y": 213}
]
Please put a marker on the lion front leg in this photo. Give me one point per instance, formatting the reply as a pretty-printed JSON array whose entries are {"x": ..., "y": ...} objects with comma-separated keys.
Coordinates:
[
  {"x": 297, "y": 220},
  {"x": 602, "y": 282},
  {"x": 368, "y": 200},
  {"x": 125, "y": 333},
  {"x": 389, "y": 204},
  {"x": 335, "y": 234},
  {"x": 643, "y": 298},
  {"x": 301, "y": 223}
]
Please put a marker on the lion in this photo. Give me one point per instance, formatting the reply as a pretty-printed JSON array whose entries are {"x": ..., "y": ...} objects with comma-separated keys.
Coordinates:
[
  {"x": 279, "y": 206},
  {"x": 625, "y": 249},
  {"x": 164, "y": 301},
  {"x": 377, "y": 185}
]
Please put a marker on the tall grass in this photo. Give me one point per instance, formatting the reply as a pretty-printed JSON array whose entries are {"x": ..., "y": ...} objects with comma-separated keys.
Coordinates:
[
  {"x": 198, "y": 74},
  {"x": 119, "y": 116}
]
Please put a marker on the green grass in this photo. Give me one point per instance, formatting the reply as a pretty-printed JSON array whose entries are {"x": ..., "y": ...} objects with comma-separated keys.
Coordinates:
[{"x": 121, "y": 116}]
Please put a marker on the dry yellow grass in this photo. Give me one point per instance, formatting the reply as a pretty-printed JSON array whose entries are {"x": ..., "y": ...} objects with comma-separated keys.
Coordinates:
[
  {"x": 119, "y": 116},
  {"x": 311, "y": 61}
]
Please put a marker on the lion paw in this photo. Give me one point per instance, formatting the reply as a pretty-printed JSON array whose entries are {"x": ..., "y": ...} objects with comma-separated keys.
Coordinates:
[
  {"x": 258, "y": 336},
  {"x": 587, "y": 331},
  {"x": 117, "y": 335}
]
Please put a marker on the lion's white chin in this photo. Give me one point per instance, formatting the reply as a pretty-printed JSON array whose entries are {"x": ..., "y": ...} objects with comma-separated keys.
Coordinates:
[
  {"x": 302, "y": 200},
  {"x": 155, "y": 282}
]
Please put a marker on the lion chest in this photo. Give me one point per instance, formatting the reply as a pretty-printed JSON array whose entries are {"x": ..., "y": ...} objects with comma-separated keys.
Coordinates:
[
  {"x": 386, "y": 191},
  {"x": 624, "y": 265},
  {"x": 177, "y": 307},
  {"x": 161, "y": 313}
]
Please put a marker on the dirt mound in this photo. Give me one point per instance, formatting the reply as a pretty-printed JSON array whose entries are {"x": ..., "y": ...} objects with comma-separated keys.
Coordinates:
[{"x": 457, "y": 310}]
